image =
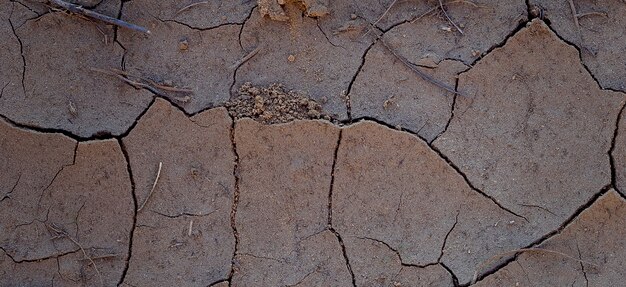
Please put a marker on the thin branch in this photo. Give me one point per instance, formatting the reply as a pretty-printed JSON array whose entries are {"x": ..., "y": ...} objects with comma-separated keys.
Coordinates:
[
  {"x": 151, "y": 86},
  {"x": 385, "y": 13},
  {"x": 190, "y": 6},
  {"x": 153, "y": 186},
  {"x": 448, "y": 17},
  {"x": 420, "y": 73},
  {"x": 246, "y": 58},
  {"x": 95, "y": 15}
]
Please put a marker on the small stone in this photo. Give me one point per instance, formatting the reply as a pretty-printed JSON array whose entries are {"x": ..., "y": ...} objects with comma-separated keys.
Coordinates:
[
  {"x": 291, "y": 58},
  {"x": 183, "y": 45},
  {"x": 535, "y": 11},
  {"x": 353, "y": 16}
]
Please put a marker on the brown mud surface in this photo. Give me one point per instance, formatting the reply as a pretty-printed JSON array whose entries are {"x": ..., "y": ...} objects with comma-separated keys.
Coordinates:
[{"x": 313, "y": 143}]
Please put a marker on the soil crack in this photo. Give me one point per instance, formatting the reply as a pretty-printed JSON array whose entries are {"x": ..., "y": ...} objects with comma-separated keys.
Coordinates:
[
  {"x": 317, "y": 24},
  {"x": 612, "y": 149},
  {"x": 8, "y": 194},
  {"x": 330, "y": 210},
  {"x": 183, "y": 214},
  {"x": 402, "y": 263},
  {"x": 135, "y": 206},
  {"x": 233, "y": 210},
  {"x": 356, "y": 74},
  {"x": 13, "y": 28},
  {"x": 53, "y": 256},
  {"x": 445, "y": 239},
  {"x": 57, "y": 173},
  {"x": 547, "y": 236},
  {"x": 582, "y": 266}
]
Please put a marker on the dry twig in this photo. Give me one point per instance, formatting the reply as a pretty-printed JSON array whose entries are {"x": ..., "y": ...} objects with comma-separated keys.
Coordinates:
[
  {"x": 95, "y": 15},
  {"x": 245, "y": 59},
  {"x": 421, "y": 74},
  {"x": 384, "y": 13},
  {"x": 190, "y": 6},
  {"x": 147, "y": 84},
  {"x": 153, "y": 186},
  {"x": 448, "y": 17}
]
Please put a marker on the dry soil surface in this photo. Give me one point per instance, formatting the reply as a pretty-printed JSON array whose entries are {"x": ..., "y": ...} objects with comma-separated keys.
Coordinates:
[{"x": 313, "y": 143}]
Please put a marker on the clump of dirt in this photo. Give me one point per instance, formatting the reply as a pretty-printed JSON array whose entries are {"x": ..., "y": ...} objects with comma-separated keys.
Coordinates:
[
  {"x": 275, "y": 9},
  {"x": 273, "y": 105}
]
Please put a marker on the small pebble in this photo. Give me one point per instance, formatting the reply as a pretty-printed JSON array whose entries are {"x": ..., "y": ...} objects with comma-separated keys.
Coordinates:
[
  {"x": 353, "y": 16},
  {"x": 291, "y": 58},
  {"x": 183, "y": 45}
]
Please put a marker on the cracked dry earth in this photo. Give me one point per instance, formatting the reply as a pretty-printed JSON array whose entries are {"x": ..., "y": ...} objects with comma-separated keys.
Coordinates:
[{"x": 514, "y": 174}]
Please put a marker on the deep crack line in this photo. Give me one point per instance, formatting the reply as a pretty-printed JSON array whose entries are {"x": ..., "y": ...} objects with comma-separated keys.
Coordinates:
[
  {"x": 612, "y": 148},
  {"x": 21, "y": 48},
  {"x": 332, "y": 180},
  {"x": 453, "y": 108},
  {"x": 233, "y": 210},
  {"x": 444, "y": 158},
  {"x": 330, "y": 206},
  {"x": 135, "y": 206},
  {"x": 3, "y": 87},
  {"x": 347, "y": 99},
  {"x": 248, "y": 56},
  {"x": 243, "y": 25},
  {"x": 43, "y": 192},
  {"x": 469, "y": 183},
  {"x": 8, "y": 194},
  {"x": 445, "y": 239},
  {"x": 317, "y": 23},
  {"x": 580, "y": 57},
  {"x": 53, "y": 256},
  {"x": 345, "y": 254},
  {"x": 537, "y": 243},
  {"x": 582, "y": 266},
  {"x": 397, "y": 253}
]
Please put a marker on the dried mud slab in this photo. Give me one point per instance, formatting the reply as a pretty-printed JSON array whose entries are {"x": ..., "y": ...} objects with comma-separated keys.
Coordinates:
[
  {"x": 60, "y": 197},
  {"x": 599, "y": 35},
  {"x": 535, "y": 132},
  {"x": 390, "y": 187},
  {"x": 483, "y": 27},
  {"x": 60, "y": 91},
  {"x": 282, "y": 214},
  {"x": 196, "y": 59},
  {"x": 596, "y": 238},
  {"x": 387, "y": 90},
  {"x": 375, "y": 264},
  {"x": 185, "y": 222},
  {"x": 304, "y": 54},
  {"x": 619, "y": 154}
]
